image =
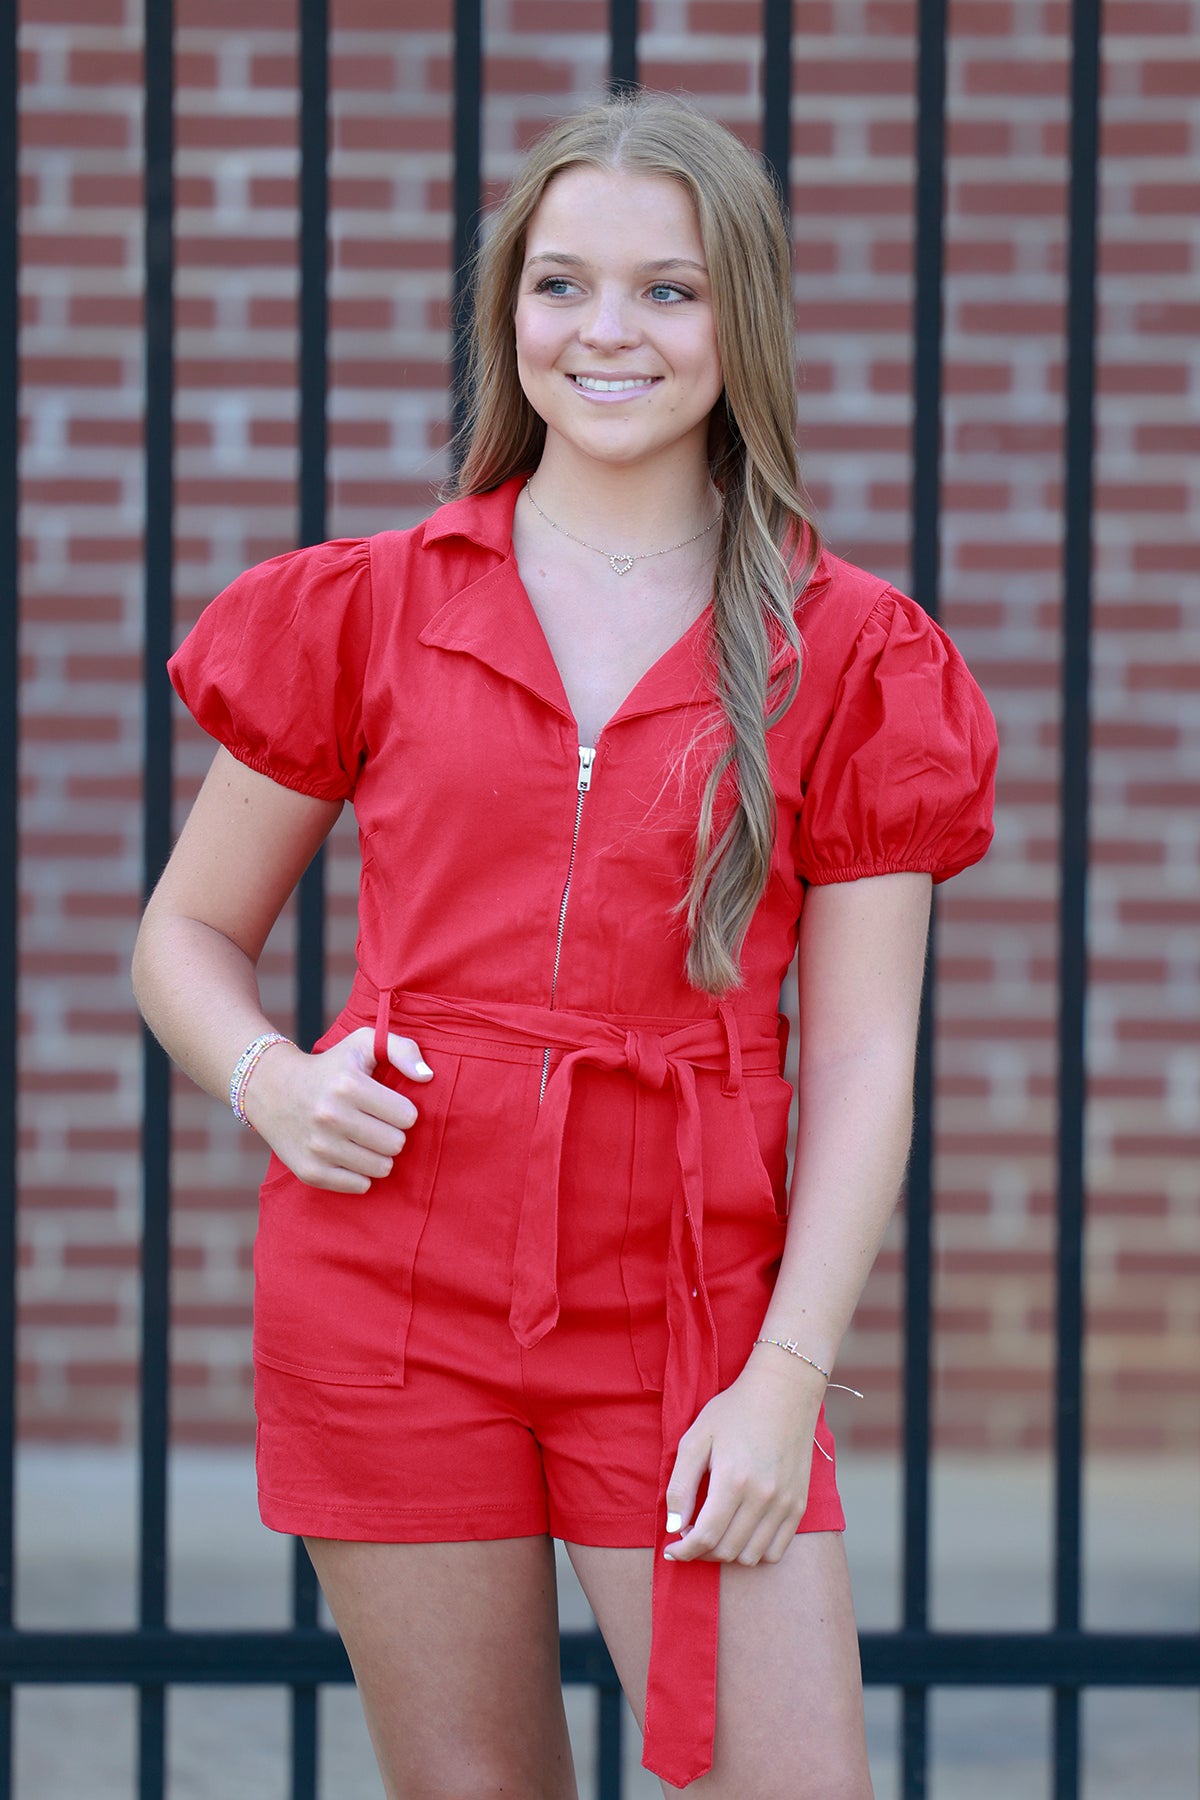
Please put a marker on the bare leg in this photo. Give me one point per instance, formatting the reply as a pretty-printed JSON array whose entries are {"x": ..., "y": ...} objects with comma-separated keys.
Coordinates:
[
  {"x": 789, "y": 1688},
  {"x": 455, "y": 1651}
]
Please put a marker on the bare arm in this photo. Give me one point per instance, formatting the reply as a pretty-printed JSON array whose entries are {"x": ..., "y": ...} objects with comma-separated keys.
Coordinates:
[
  {"x": 862, "y": 953},
  {"x": 862, "y": 960},
  {"x": 246, "y": 843}
]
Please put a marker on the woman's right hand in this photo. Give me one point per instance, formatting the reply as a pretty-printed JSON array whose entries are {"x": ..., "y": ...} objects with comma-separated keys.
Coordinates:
[{"x": 327, "y": 1117}]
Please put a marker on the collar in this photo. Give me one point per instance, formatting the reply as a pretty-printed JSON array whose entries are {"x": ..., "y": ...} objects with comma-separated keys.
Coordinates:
[{"x": 483, "y": 519}]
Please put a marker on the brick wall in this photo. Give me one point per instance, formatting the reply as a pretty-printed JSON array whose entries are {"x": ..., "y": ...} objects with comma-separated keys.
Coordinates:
[{"x": 852, "y": 172}]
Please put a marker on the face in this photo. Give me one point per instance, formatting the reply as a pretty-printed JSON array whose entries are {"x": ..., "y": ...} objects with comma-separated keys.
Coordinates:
[{"x": 616, "y": 344}]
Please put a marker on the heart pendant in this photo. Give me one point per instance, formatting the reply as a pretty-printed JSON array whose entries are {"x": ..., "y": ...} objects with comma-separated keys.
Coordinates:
[{"x": 621, "y": 565}]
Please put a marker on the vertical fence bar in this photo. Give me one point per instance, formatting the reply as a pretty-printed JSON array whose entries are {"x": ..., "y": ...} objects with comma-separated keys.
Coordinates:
[
  {"x": 9, "y": 596},
  {"x": 468, "y": 108},
  {"x": 158, "y": 17},
  {"x": 622, "y": 45},
  {"x": 930, "y": 200},
  {"x": 777, "y": 94},
  {"x": 610, "y": 1718},
  {"x": 1073, "y": 870},
  {"x": 313, "y": 507}
]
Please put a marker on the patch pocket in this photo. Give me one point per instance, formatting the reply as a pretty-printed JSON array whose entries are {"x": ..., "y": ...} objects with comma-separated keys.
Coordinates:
[
  {"x": 745, "y": 1151},
  {"x": 766, "y": 1108},
  {"x": 333, "y": 1273}
]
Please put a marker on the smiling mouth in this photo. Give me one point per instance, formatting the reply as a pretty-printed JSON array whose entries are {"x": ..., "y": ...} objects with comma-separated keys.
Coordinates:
[{"x": 596, "y": 384}]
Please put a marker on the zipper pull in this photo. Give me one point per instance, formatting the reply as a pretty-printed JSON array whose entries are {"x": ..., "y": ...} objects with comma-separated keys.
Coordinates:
[{"x": 587, "y": 757}]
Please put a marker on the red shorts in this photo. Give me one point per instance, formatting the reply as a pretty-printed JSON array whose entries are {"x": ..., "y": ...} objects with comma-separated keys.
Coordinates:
[{"x": 395, "y": 1403}]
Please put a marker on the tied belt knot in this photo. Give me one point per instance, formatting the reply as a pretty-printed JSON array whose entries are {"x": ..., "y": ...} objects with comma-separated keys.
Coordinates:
[
  {"x": 646, "y": 1058},
  {"x": 681, "y": 1684}
]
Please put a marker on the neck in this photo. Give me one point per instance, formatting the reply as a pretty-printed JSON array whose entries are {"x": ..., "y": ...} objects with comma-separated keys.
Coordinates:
[{"x": 626, "y": 509}]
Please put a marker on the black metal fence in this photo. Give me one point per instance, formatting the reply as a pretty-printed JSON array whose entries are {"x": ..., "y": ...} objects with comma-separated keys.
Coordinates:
[{"x": 913, "y": 1659}]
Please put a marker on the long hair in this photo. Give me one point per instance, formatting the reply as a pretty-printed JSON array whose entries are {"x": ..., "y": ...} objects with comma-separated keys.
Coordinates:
[{"x": 768, "y": 542}]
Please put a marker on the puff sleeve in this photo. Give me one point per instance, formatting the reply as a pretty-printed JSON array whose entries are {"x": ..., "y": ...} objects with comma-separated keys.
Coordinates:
[
  {"x": 902, "y": 779},
  {"x": 274, "y": 668}
]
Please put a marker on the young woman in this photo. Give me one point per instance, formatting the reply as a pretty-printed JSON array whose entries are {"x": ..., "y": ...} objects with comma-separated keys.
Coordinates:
[{"x": 617, "y": 733}]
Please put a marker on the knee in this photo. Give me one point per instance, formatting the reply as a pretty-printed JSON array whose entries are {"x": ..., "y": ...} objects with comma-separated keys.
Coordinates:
[
  {"x": 839, "y": 1781},
  {"x": 483, "y": 1779}
]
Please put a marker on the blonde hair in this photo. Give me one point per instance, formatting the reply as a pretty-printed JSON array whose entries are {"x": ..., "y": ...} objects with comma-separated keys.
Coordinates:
[{"x": 752, "y": 460}]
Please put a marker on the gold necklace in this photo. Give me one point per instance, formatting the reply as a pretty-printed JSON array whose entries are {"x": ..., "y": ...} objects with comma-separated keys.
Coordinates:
[{"x": 619, "y": 563}]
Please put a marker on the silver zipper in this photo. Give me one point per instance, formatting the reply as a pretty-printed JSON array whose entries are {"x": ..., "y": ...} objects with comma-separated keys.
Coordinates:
[{"x": 587, "y": 757}]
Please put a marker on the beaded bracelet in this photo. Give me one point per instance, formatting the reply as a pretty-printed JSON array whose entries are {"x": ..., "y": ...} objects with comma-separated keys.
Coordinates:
[
  {"x": 244, "y": 1068},
  {"x": 793, "y": 1349}
]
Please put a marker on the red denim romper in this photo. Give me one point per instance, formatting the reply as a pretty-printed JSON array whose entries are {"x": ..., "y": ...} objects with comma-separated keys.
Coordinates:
[{"x": 576, "y": 1246}]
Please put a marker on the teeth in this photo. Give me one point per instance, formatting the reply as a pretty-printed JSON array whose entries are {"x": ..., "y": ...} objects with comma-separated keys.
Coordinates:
[{"x": 595, "y": 386}]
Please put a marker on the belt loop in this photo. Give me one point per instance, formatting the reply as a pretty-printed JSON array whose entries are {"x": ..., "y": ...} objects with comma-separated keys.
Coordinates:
[
  {"x": 732, "y": 1083},
  {"x": 383, "y": 1015}
]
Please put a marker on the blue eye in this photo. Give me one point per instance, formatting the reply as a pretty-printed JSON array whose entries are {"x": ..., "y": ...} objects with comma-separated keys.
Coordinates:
[
  {"x": 666, "y": 292},
  {"x": 554, "y": 285}
]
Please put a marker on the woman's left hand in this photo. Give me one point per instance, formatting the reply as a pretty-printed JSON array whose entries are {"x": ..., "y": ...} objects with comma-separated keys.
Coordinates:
[{"x": 755, "y": 1443}]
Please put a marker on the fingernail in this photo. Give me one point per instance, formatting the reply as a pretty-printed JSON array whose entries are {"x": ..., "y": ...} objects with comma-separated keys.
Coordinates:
[
  {"x": 674, "y": 1521},
  {"x": 423, "y": 1068}
]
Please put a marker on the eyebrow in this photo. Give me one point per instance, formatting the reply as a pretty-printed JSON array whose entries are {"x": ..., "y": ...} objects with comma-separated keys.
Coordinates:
[{"x": 657, "y": 267}]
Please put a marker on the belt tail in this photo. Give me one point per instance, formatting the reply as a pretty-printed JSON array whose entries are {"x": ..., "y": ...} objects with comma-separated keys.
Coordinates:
[{"x": 681, "y": 1686}]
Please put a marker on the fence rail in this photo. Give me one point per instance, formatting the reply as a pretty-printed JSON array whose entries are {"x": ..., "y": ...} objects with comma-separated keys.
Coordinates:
[{"x": 914, "y": 1659}]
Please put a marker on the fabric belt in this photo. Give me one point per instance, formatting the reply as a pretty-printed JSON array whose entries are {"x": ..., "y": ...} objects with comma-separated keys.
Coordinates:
[{"x": 681, "y": 1687}]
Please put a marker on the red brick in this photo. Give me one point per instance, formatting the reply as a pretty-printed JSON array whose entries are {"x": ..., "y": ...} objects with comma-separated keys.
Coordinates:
[
  {"x": 1144, "y": 18},
  {"x": 71, "y": 609},
  {"x": 1178, "y": 317},
  {"x": 104, "y": 549},
  {"x": 224, "y": 131},
  {"x": 236, "y": 253},
  {"x": 376, "y": 371},
  {"x": 426, "y": 135},
  {"x": 112, "y": 189},
  {"x": 101, "y": 904},
  {"x": 73, "y": 371},
  {"x": 274, "y": 191},
  {"x": 1139, "y": 258},
  {"x": 278, "y": 69},
  {"x": 101, "y": 1256},
  {"x": 220, "y": 372},
  {"x": 127, "y": 433},
  {"x": 1178, "y": 78},
  {"x": 93, "y": 13},
  {"x": 104, "y": 68},
  {"x": 68, "y": 1081},
  {"x": 72, "y": 491},
  {"x": 121, "y": 311},
  {"x": 75, "y": 130},
  {"x": 360, "y": 193},
  {"x": 1013, "y": 199},
  {"x": 230, "y": 15},
  {"x": 99, "y": 1314},
  {"x": 1142, "y": 378},
  {"x": 713, "y": 18},
  {"x": 537, "y": 16},
  {"x": 1168, "y": 439},
  {"x": 1156, "y": 197},
  {"x": 1146, "y": 137},
  {"x": 1008, "y": 440},
  {"x": 982, "y": 18},
  {"x": 1167, "y": 559},
  {"x": 693, "y": 78},
  {"x": 48, "y": 250}
]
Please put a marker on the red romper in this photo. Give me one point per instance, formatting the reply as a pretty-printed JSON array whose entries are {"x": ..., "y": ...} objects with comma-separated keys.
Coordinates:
[{"x": 575, "y": 1250}]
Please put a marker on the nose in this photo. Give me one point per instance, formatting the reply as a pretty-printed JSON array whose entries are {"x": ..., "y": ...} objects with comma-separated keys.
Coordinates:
[{"x": 609, "y": 322}]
